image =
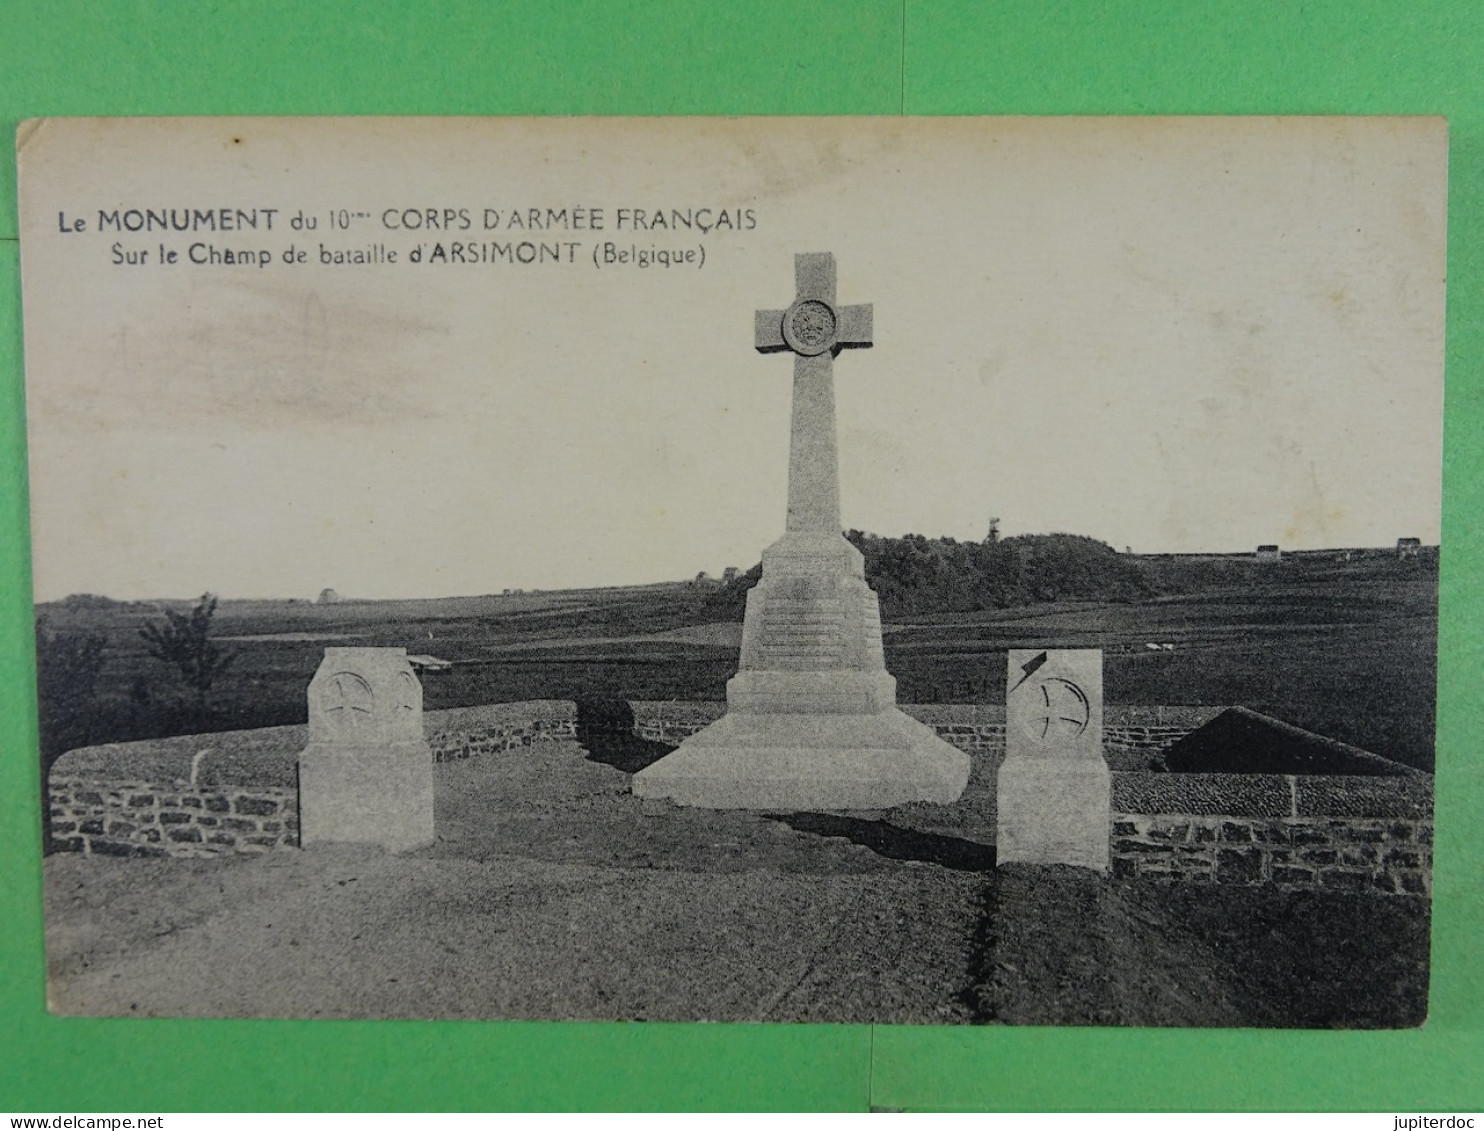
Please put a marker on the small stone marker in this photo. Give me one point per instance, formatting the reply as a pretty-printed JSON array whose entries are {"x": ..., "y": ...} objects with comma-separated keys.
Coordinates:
[
  {"x": 1053, "y": 793},
  {"x": 812, "y": 720},
  {"x": 367, "y": 774}
]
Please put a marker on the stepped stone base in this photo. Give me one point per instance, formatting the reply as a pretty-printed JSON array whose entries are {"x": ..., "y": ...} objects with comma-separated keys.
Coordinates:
[
  {"x": 809, "y": 761},
  {"x": 811, "y": 693},
  {"x": 812, "y": 721}
]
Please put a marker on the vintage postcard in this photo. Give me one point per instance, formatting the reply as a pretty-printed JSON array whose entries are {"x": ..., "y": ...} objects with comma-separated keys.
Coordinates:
[{"x": 935, "y": 571}]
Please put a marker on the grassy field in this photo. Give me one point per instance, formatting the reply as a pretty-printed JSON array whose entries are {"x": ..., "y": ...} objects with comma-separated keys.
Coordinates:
[{"x": 1344, "y": 648}]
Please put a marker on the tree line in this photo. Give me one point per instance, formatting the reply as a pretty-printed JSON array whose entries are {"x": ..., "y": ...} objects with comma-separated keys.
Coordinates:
[{"x": 914, "y": 574}]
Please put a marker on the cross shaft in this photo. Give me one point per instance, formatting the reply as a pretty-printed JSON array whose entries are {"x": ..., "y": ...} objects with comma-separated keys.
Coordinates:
[{"x": 814, "y": 328}]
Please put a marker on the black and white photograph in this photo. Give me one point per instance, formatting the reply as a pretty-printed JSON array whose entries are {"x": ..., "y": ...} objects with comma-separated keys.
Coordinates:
[{"x": 945, "y": 571}]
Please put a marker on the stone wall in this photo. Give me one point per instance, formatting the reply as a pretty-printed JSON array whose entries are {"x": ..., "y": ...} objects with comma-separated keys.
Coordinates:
[
  {"x": 1353, "y": 854},
  {"x": 469, "y": 731},
  {"x": 237, "y": 792},
  {"x": 199, "y": 795},
  {"x": 137, "y": 818},
  {"x": 1331, "y": 832},
  {"x": 193, "y": 795},
  {"x": 672, "y": 721}
]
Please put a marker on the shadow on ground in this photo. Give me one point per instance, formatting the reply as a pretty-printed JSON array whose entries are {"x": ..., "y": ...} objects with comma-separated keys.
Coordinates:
[
  {"x": 605, "y": 731},
  {"x": 895, "y": 843}
]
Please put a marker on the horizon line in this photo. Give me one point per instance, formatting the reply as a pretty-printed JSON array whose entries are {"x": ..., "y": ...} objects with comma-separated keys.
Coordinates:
[{"x": 526, "y": 591}]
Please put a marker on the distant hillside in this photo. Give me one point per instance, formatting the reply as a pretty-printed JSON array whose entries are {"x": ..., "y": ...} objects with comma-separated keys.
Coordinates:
[
  {"x": 1342, "y": 642},
  {"x": 914, "y": 574},
  {"x": 1202, "y": 573}
]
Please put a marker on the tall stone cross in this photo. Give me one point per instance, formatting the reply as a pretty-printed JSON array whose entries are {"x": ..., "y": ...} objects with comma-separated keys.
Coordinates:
[
  {"x": 814, "y": 329},
  {"x": 812, "y": 720}
]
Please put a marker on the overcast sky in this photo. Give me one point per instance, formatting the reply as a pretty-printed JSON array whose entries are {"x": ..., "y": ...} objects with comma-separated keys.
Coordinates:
[{"x": 1174, "y": 335}]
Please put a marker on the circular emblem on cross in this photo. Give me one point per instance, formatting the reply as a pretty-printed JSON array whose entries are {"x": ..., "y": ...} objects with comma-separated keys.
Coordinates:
[
  {"x": 1063, "y": 711},
  {"x": 810, "y": 327}
]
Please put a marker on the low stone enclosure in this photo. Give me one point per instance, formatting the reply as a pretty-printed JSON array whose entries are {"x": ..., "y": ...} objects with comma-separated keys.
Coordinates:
[{"x": 199, "y": 795}]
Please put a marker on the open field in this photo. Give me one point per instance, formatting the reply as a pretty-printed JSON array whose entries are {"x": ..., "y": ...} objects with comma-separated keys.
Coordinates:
[{"x": 1347, "y": 649}]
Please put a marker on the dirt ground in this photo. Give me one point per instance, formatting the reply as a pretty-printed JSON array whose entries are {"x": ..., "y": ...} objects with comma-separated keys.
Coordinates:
[{"x": 553, "y": 893}]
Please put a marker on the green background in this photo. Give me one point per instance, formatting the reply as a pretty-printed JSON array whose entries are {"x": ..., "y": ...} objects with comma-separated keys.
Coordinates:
[{"x": 765, "y": 57}]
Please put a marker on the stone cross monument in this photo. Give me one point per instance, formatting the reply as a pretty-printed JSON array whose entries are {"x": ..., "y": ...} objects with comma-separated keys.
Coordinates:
[{"x": 811, "y": 721}]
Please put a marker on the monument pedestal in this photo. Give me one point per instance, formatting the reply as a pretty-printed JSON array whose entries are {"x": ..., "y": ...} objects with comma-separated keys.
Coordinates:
[
  {"x": 747, "y": 760},
  {"x": 812, "y": 720}
]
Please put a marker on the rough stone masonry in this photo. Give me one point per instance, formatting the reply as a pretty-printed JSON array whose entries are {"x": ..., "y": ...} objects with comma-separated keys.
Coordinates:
[{"x": 812, "y": 720}]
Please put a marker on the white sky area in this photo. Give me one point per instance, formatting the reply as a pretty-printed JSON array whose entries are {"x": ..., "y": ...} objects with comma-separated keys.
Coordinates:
[{"x": 1169, "y": 334}]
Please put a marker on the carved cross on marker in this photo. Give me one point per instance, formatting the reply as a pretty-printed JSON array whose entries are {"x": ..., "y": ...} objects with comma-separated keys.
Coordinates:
[
  {"x": 348, "y": 700},
  {"x": 814, "y": 329}
]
